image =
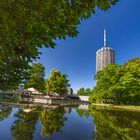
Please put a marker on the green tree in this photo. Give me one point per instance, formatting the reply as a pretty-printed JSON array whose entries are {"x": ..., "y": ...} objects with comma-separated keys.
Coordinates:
[
  {"x": 130, "y": 82},
  {"x": 118, "y": 84},
  {"x": 81, "y": 91},
  {"x": 27, "y": 26},
  {"x": 12, "y": 72},
  {"x": 85, "y": 92},
  {"x": 57, "y": 82},
  {"x": 105, "y": 79},
  {"x": 35, "y": 77},
  {"x": 88, "y": 91}
]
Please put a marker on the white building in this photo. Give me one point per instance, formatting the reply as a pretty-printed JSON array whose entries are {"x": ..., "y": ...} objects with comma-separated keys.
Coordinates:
[{"x": 104, "y": 56}]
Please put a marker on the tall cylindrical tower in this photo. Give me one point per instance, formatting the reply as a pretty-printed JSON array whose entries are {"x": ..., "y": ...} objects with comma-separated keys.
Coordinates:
[{"x": 104, "y": 56}]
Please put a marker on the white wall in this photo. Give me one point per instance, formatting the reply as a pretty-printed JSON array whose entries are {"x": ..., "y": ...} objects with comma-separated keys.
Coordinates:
[{"x": 84, "y": 98}]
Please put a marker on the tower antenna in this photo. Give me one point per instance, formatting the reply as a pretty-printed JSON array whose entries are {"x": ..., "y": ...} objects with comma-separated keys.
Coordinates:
[{"x": 104, "y": 37}]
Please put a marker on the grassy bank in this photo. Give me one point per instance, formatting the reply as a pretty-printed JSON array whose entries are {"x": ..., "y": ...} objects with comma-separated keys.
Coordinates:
[{"x": 124, "y": 107}]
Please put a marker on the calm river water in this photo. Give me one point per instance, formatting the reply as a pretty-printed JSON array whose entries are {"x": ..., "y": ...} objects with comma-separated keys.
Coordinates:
[{"x": 68, "y": 123}]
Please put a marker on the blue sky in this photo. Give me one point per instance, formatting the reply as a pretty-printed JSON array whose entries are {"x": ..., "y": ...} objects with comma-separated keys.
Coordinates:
[{"x": 76, "y": 56}]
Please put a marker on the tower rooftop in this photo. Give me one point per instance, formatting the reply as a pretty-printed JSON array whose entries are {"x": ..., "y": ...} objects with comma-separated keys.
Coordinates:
[{"x": 104, "y": 49}]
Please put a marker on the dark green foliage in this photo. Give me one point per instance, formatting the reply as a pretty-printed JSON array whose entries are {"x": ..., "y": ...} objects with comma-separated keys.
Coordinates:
[
  {"x": 9, "y": 97},
  {"x": 81, "y": 91},
  {"x": 84, "y": 92},
  {"x": 118, "y": 84},
  {"x": 35, "y": 77},
  {"x": 88, "y": 91},
  {"x": 27, "y": 25},
  {"x": 12, "y": 71},
  {"x": 57, "y": 82}
]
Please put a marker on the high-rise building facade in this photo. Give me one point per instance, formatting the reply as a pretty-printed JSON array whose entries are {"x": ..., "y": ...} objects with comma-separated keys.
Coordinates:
[{"x": 104, "y": 56}]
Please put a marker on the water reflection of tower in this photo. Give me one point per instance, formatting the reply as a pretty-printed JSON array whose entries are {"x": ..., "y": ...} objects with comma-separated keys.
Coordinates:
[
  {"x": 104, "y": 56},
  {"x": 68, "y": 110}
]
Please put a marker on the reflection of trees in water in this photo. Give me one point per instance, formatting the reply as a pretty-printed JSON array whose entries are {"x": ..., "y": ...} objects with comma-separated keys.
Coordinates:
[
  {"x": 114, "y": 125},
  {"x": 24, "y": 126},
  {"x": 5, "y": 112},
  {"x": 52, "y": 121},
  {"x": 82, "y": 112}
]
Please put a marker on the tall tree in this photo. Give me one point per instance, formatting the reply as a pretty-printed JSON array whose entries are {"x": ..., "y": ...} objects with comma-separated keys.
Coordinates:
[
  {"x": 85, "y": 92},
  {"x": 81, "y": 91},
  {"x": 35, "y": 77},
  {"x": 57, "y": 82},
  {"x": 27, "y": 26},
  {"x": 88, "y": 91}
]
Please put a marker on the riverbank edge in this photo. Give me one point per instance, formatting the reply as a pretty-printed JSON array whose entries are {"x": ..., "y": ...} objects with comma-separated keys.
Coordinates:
[
  {"x": 40, "y": 104},
  {"x": 124, "y": 107}
]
